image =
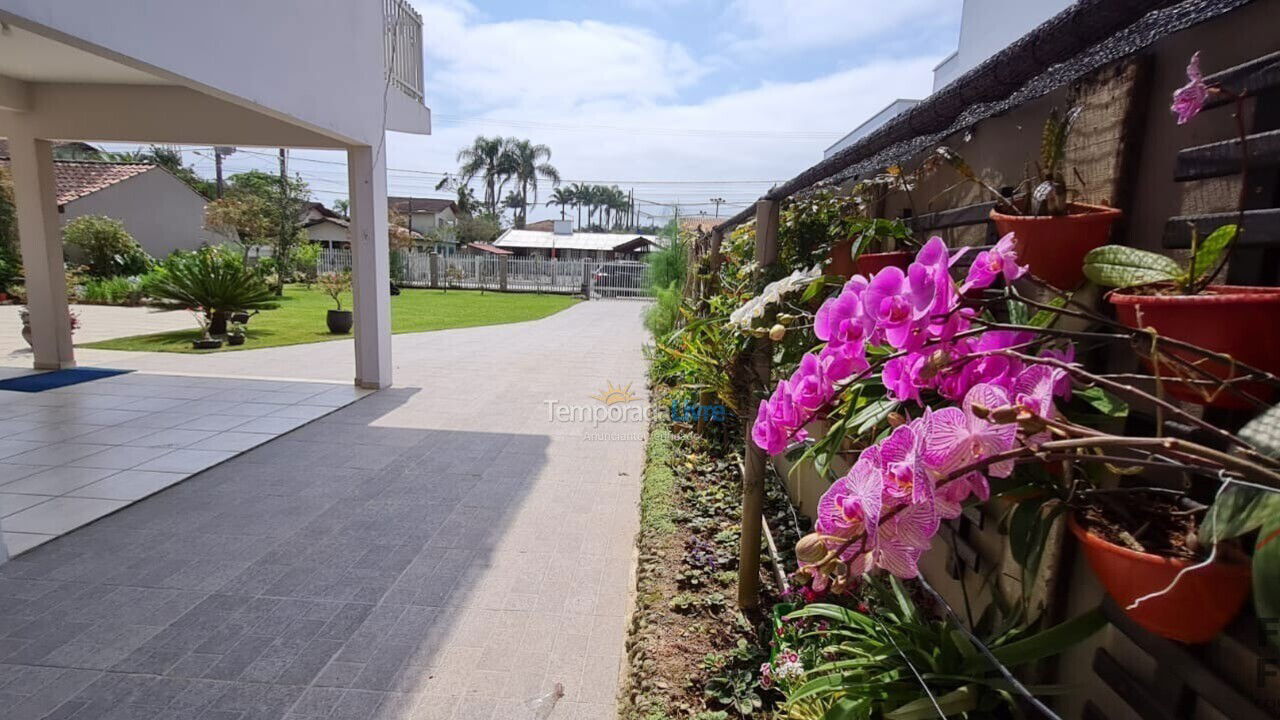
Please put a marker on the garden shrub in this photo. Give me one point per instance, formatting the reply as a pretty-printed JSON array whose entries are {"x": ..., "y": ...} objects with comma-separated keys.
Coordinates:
[
  {"x": 117, "y": 290},
  {"x": 662, "y": 316},
  {"x": 107, "y": 248}
]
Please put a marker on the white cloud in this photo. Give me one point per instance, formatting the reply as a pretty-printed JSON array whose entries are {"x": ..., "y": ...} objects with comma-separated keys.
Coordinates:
[
  {"x": 546, "y": 62},
  {"x": 834, "y": 103},
  {"x": 579, "y": 87},
  {"x": 788, "y": 25}
]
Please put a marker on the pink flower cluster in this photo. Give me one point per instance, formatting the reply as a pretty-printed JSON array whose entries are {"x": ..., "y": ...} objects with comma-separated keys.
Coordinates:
[
  {"x": 886, "y": 510},
  {"x": 917, "y": 313}
]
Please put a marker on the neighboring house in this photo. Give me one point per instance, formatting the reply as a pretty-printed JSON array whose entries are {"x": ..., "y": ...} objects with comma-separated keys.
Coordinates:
[
  {"x": 986, "y": 27},
  {"x": 483, "y": 250},
  {"x": 332, "y": 231},
  {"x": 700, "y": 224},
  {"x": 160, "y": 211},
  {"x": 568, "y": 245},
  {"x": 870, "y": 124},
  {"x": 989, "y": 26},
  {"x": 326, "y": 227},
  {"x": 425, "y": 214}
]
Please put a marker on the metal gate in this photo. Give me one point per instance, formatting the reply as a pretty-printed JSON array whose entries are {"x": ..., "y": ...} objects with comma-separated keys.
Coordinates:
[{"x": 620, "y": 279}]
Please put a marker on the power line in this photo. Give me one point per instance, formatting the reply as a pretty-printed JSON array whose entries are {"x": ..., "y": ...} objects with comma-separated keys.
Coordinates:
[{"x": 666, "y": 132}]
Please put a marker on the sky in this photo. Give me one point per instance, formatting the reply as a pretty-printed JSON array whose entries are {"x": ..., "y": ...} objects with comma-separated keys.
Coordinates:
[{"x": 678, "y": 100}]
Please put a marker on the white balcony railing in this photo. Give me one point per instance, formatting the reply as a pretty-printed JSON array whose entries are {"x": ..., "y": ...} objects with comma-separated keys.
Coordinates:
[{"x": 402, "y": 47}]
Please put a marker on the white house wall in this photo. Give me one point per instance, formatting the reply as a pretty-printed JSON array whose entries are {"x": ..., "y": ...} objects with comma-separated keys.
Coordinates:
[
  {"x": 158, "y": 209},
  {"x": 328, "y": 233},
  {"x": 329, "y": 82}
]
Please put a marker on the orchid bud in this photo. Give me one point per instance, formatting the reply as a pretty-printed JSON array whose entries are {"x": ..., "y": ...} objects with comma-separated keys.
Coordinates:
[
  {"x": 786, "y": 318},
  {"x": 777, "y": 332},
  {"x": 1003, "y": 415},
  {"x": 980, "y": 411},
  {"x": 811, "y": 549}
]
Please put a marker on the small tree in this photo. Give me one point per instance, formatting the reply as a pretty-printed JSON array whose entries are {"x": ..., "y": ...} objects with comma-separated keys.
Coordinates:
[
  {"x": 335, "y": 284},
  {"x": 108, "y": 248}
]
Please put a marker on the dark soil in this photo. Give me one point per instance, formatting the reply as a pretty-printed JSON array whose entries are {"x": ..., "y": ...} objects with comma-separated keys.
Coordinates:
[
  {"x": 687, "y": 628},
  {"x": 1145, "y": 522}
]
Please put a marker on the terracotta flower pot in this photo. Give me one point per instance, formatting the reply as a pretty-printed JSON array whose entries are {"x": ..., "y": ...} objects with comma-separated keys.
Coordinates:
[
  {"x": 1243, "y": 322},
  {"x": 1194, "y": 611},
  {"x": 1053, "y": 246},
  {"x": 872, "y": 263},
  {"x": 840, "y": 261}
]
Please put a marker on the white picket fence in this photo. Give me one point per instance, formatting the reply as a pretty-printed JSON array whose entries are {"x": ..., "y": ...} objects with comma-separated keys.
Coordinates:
[{"x": 595, "y": 278}]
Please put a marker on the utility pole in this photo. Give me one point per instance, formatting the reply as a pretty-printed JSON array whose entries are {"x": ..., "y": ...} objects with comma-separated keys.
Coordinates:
[
  {"x": 717, "y": 201},
  {"x": 219, "y": 152},
  {"x": 631, "y": 210},
  {"x": 282, "y": 244}
]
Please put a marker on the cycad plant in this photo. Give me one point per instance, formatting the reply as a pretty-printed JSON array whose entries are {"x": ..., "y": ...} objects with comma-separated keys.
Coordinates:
[{"x": 213, "y": 279}]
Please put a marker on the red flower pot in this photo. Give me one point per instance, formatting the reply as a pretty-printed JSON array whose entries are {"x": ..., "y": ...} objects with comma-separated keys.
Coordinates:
[
  {"x": 1053, "y": 246},
  {"x": 839, "y": 262},
  {"x": 1194, "y": 611},
  {"x": 872, "y": 263},
  {"x": 1243, "y": 322}
]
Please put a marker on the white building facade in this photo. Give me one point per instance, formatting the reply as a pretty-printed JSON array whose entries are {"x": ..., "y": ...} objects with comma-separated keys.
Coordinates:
[{"x": 161, "y": 72}]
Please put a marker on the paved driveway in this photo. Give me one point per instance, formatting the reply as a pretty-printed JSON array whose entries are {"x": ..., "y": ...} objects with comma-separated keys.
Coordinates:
[
  {"x": 450, "y": 547},
  {"x": 97, "y": 322}
]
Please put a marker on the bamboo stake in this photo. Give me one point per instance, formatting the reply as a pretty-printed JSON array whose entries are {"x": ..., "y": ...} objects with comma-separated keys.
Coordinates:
[{"x": 755, "y": 458}]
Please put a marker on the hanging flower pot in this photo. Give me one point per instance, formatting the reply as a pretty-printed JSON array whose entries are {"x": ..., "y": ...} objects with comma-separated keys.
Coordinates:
[
  {"x": 1053, "y": 246},
  {"x": 841, "y": 262},
  {"x": 1195, "y": 610},
  {"x": 1234, "y": 320},
  {"x": 872, "y": 263}
]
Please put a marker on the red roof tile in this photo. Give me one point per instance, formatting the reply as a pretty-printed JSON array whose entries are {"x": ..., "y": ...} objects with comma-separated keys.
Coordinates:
[{"x": 74, "y": 178}]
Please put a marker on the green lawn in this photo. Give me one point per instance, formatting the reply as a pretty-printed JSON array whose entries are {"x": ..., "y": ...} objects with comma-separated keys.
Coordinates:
[{"x": 301, "y": 318}]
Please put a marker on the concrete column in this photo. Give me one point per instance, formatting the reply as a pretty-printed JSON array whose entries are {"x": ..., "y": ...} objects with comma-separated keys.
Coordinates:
[
  {"x": 36, "y": 199},
  {"x": 502, "y": 273},
  {"x": 370, "y": 266}
]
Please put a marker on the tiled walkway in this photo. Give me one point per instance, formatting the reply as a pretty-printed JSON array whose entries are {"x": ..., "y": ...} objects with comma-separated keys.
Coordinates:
[
  {"x": 70, "y": 455},
  {"x": 448, "y": 548}
]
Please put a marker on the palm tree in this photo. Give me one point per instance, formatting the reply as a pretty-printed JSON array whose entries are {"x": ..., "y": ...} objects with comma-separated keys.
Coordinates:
[
  {"x": 466, "y": 200},
  {"x": 515, "y": 204},
  {"x": 485, "y": 158},
  {"x": 579, "y": 193},
  {"x": 562, "y": 197},
  {"x": 525, "y": 163}
]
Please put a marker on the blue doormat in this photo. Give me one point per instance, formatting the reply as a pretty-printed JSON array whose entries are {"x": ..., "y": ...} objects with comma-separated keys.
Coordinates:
[{"x": 57, "y": 378}]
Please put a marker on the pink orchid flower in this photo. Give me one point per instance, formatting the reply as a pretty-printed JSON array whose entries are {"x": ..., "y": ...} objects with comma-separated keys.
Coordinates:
[
  {"x": 1190, "y": 99},
  {"x": 765, "y": 434},
  {"x": 851, "y": 506},
  {"x": 810, "y": 387},
  {"x": 956, "y": 437},
  {"x": 999, "y": 261},
  {"x": 903, "y": 538}
]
